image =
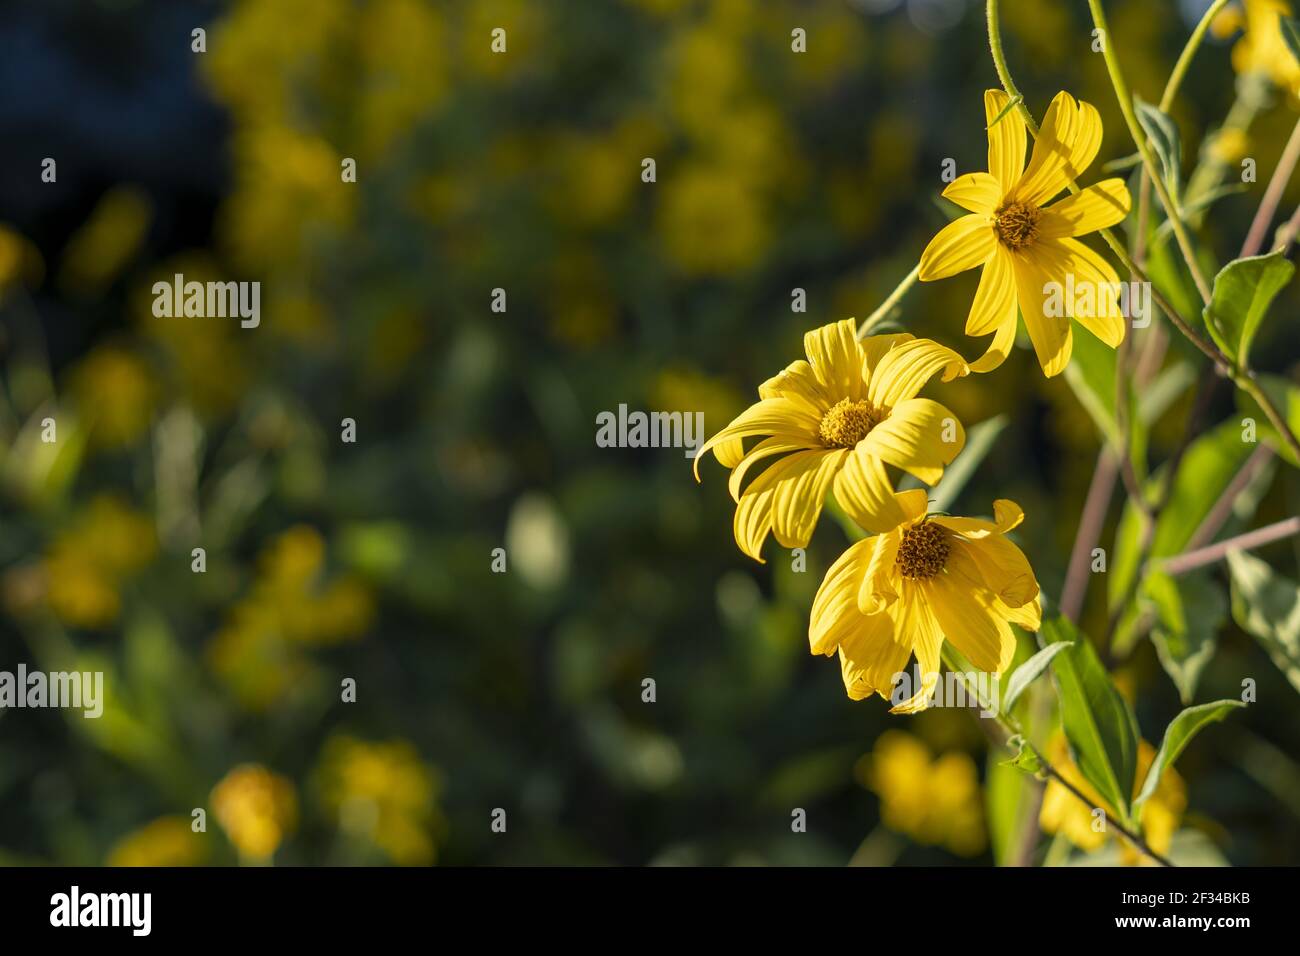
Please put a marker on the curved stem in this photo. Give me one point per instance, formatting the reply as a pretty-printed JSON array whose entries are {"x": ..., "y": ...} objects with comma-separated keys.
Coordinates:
[
  {"x": 1144, "y": 150},
  {"x": 882, "y": 313},
  {"x": 1189, "y": 51}
]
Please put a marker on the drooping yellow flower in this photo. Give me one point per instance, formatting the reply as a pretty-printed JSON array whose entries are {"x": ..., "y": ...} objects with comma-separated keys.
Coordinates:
[
  {"x": 1262, "y": 48},
  {"x": 928, "y": 578},
  {"x": 838, "y": 419},
  {"x": 1064, "y": 813},
  {"x": 1027, "y": 249}
]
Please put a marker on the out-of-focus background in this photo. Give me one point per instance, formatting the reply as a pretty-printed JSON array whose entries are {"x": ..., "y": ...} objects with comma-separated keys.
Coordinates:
[{"x": 475, "y": 429}]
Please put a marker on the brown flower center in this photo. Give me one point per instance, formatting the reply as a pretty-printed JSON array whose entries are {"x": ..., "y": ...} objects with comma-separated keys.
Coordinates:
[
  {"x": 846, "y": 423},
  {"x": 923, "y": 552},
  {"x": 1016, "y": 224}
]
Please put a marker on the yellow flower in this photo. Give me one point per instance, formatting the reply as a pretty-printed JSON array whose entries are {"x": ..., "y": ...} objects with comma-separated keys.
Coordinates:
[
  {"x": 929, "y": 578},
  {"x": 935, "y": 802},
  {"x": 256, "y": 808},
  {"x": 1024, "y": 245},
  {"x": 1262, "y": 48},
  {"x": 167, "y": 841},
  {"x": 1062, "y": 812},
  {"x": 115, "y": 391},
  {"x": 838, "y": 419},
  {"x": 383, "y": 793}
]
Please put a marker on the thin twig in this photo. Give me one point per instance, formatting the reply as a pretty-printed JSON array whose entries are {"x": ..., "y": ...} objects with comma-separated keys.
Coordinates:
[
  {"x": 1192, "y": 560},
  {"x": 1273, "y": 195}
]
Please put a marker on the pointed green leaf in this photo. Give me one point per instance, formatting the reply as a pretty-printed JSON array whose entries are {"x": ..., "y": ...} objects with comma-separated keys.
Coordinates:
[
  {"x": 1178, "y": 735},
  {"x": 1098, "y": 722},
  {"x": 1028, "y": 672},
  {"x": 1243, "y": 291},
  {"x": 1162, "y": 131},
  {"x": 1188, "y": 610},
  {"x": 1266, "y": 605},
  {"x": 1026, "y": 758},
  {"x": 1291, "y": 35}
]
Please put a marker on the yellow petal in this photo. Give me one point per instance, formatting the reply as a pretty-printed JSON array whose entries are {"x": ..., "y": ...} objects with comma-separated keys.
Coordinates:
[
  {"x": 914, "y": 623},
  {"x": 1050, "y": 334},
  {"x": 1006, "y": 140},
  {"x": 798, "y": 381},
  {"x": 760, "y": 452},
  {"x": 1067, "y": 144},
  {"x": 771, "y": 416},
  {"x": 834, "y": 611},
  {"x": 805, "y": 477},
  {"x": 995, "y": 299},
  {"x": 968, "y": 620},
  {"x": 962, "y": 244},
  {"x": 1105, "y": 320},
  {"x": 1029, "y": 615},
  {"x": 870, "y": 658},
  {"x": 1006, "y": 516},
  {"x": 976, "y": 192},
  {"x": 1049, "y": 165},
  {"x": 1003, "y": 341},
  {"x": 1001, "y": 566},
  {"x": 753, "y": 522},
  {"x": 863, "y": 490},
  {"x": 904, "y": 370},
  {"x": 879, "y": 587},
  {"x": 729, "y": 452},
  {"x": 874, "y": 347},
  {"x": 913, "y": 438},
  {"x": 837, "y": 358},
  {"x": 1099, "y": 206}
]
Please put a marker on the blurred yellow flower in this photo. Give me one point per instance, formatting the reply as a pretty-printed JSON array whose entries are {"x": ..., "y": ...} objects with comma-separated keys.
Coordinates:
[
  {"x": 711, "y": 222},
  {"x": 932, "y": 577},
  {"x": 1228, "y": 145},
  {"x": 383, "y": 793},
  {"x": 167, "y": 841},
  {"x": 256, "y": 808},
  {"x": 405, "y": 79},
  {"x": 1262, "y": 48},
  {"x": 935, "y": 802},
  {"x": 88, "y": 562},
  {"x": 106, "y": 242},
  {"x": 290, "y": 604},
  {"x": 1023, "y": 245},
  {"x": 1064, "y": 813},
  {"x": 116, "y": 394},
  {"x": 838, "y": 419}
]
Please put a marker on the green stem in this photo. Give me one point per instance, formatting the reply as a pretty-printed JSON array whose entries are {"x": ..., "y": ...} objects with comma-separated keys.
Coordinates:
[
  {"x": 1012, "y": 729},
  {"x": 882, "y": 313},
  {"x": 1189, "y": 51},
  {"x": 1144, "y": 150}
]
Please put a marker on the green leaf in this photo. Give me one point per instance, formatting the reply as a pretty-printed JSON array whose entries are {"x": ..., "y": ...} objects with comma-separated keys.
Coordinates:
[
  {"x": 1026, "y": 758},
  {"x": 1007, "y": 801},
  {"x": 1208, "y": 466},
  {"x": 1188, "y": 611},
  {"x": 1178, "y": 735},
  {"x": 1162, "y": 131},
  {"x": 1027, "y": 673},
  {"x": 1266, "y": 606},
  {"x": 1098, "y": 722},
  {"x": 1243, "y": 291},
  {"x": 1123, "y": 163},
  {"x": 979, "y": 442}
]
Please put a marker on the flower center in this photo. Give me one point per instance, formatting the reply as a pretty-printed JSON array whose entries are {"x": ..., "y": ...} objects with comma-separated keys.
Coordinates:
[
  {"x": 846, "y": 423},
  {"x": 923, "y": 552},
  {"x": 1016, "y": 224}
]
